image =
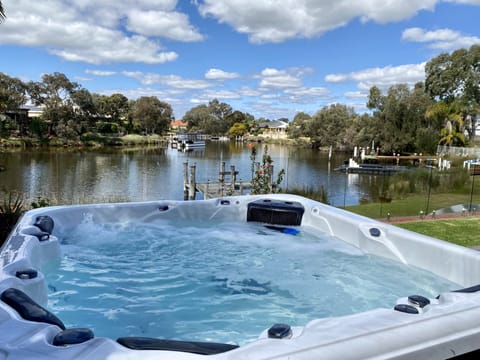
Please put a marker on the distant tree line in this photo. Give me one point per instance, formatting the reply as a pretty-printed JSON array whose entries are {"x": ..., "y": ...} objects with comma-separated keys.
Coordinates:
[
  {"x": 70, "y": 111},
  {"x": 441, "y": 110}
]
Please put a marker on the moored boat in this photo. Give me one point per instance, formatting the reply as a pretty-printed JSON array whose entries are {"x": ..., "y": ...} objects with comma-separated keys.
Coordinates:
[{"x": 191, "y": 144}]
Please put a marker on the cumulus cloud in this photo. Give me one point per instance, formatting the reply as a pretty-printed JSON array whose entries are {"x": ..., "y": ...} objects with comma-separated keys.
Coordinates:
[
  {"x": 169, "y": 24},
  {"x": 221, "y": 95},
  {"x": 93, "y": 32},
  {"x": 382, "y": 77},
  {"x": 306, "y": 95},
  {"x": 249, "y": 92},
  {"x": 355, "y": 95},
  {"x": 273, "y": 78},
  {"x": 268, "y": 22},
  {"x": 308, "y": 92},
  {"x": 217, "y": 74},
  {"x": 441, "y": 39},
  {"x": 167, "y": 80}
]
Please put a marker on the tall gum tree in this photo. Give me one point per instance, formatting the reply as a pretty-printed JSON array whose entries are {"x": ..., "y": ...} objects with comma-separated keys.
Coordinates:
[
  {"x": 455, "y": 77},
  {"x": 400, "y": 119},
  {"x": 153, "y": 116},
  {"x": 54, "y": 92}
]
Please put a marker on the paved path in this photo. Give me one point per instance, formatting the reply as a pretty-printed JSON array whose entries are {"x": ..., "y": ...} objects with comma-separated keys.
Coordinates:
[{"x": 402, "y": 219}]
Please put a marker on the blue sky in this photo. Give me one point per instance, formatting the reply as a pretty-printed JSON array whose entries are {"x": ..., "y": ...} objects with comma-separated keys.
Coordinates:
[{"x": 269, "y": 58}]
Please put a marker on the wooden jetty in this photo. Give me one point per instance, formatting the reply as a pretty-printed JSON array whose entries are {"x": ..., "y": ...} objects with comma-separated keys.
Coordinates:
[
  {"x": 227, "y": 184},
  {"x": 388, "y": 164},
  {"x": 373, "y": 169}
]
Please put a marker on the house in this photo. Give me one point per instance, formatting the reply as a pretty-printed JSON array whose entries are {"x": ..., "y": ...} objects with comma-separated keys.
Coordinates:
[
  {"x": 178, "y": 126},
  {"x": 275, "y": 129},
  {"x": 34, "y": 111}
]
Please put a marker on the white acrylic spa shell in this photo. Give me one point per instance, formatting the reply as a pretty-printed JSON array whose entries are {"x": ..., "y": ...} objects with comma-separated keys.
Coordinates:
[{"x": 448, "y": 326}]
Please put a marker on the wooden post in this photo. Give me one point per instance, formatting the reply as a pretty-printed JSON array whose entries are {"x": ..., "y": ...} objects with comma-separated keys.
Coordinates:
[
  {"x": 233, "y": 177},
  {"x": 222, "y": 172},
  {"x": 270, "y": 177},
  {"x": 222, "y": 178},
  {"x": 192, "y": 186},
  {"x": 185, "y": 181}
]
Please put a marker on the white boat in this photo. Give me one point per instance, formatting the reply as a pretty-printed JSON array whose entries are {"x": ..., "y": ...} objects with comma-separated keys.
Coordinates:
[
  {"x": 219, "y": 138},
  {"x": 173, "y": 142},
  {"x": 191, "y": 144},
  {"x": 411, "y": 327}
]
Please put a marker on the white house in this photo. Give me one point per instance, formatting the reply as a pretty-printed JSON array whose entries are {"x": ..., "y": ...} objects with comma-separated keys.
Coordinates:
[{"x": 275, "y": 129}]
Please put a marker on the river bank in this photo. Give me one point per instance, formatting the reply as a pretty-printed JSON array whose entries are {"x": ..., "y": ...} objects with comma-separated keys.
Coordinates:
[
  {"x": 87, "y": 140},
  {"x": 98, "y": 140}
]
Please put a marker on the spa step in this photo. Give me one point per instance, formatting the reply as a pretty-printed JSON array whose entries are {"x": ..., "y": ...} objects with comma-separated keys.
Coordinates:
[{"x": 202, "y": 348}]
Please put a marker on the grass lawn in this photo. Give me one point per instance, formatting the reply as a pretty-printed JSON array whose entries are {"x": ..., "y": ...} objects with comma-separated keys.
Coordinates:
[
  {"x": 412, "y": 205},
  {"x": 465, "y": 232},
  {"x": 461, "y": 231}
]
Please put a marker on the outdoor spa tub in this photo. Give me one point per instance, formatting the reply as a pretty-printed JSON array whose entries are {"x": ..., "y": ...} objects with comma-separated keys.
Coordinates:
[{"x": 49, "y": 303}]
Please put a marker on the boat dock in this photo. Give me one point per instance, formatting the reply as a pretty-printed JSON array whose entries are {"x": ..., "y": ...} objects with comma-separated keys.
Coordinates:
[
  {"x": 373, "y": 169},
  {"x": 384, "y": 164},
  {"x": 227, "y": 184}
]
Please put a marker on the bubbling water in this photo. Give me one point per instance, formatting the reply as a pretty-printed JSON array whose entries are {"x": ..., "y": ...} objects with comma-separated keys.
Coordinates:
[{"x": 223, "y": 282}]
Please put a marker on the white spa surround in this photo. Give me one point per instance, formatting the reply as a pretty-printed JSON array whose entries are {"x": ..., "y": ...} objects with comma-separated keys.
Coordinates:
[{"x": 448, "y": 326}]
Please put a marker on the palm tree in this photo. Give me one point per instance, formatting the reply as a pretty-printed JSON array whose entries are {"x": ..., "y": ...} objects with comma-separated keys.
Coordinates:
[
  {"x": 451, "y": 134},
  {"x": 2, "y": 12}
]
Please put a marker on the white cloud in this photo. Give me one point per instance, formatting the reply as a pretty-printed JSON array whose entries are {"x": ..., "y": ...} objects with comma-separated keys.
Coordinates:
[
  {"x": 472, "y": 2},
  {"x": 273, "y": 78},
  {"x": 100, "y": 72},
  {"x": 270, "y": 21},
  {"x": 441, "y": 39},
  {"x": 167, "y": 80},
  {"x": 217, "y": 74},
  {"x": 308, "y": 92},
  {"x": 336, "y": 78},
  {"x": 169, "y": 24},
  {"x": 110, "y": 12},
  {"x": 249, "y": 92},
  {"x": 382, "y": 77},
  {"x": 355, "y": 95},
  {"x": 300, "y": 95},
  {"x": 270, "y": 110},
  {"x": 92, "y": 31},
  {"x": 221, "y": 95}
]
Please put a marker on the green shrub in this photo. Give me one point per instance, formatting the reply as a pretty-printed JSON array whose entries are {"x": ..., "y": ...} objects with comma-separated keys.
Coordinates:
[
  {"x": 38, "y": 127},
  {"x": 320, "y": 194},
  {"x": 11, "y": 209},
  {"x": 104, "y": 127},
  {"x": 40, "y": 202},
  {"x": 262, "y": 174}
]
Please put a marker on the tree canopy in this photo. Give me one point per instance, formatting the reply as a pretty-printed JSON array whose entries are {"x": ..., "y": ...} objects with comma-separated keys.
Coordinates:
[
  {"x": 13, "y": 93},
  {"x": 441, "y": 110},
  {"x": 2, "y": 12},
  {"x": 328, "y": 126},
  {"x": 152, "y": 114},
  {"x": 455, "y": 77},
  {"x": 216, "y": 118}
]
